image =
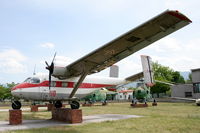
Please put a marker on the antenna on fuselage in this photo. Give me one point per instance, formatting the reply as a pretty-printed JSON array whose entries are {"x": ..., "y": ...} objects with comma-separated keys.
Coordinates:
[{"x": 34, "y": 70}]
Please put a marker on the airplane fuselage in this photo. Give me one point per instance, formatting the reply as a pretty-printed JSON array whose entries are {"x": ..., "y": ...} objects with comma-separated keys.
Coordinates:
[{"x": 37, "y": 87}]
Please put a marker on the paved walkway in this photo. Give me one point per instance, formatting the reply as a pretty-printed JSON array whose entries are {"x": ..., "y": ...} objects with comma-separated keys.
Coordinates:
[
  {"x": 28, "y": 124},
  {"x": 23, "y": 109}
]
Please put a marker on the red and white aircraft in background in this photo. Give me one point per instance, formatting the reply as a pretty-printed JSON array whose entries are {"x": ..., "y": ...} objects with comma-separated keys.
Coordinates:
[{"x": 71, "y": 82}]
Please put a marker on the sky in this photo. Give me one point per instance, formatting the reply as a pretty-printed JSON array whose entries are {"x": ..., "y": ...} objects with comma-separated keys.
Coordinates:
[{"x": 31, "y": 31}]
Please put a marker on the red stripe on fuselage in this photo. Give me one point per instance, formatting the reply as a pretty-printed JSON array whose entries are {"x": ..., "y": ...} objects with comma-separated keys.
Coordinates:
[{"x": 59, "y": 84}]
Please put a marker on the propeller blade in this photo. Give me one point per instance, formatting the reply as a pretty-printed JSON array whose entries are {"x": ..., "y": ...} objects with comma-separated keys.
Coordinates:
[
  {"x": 47, "y": 64},
  {"x": 50, "y": 68},
  {"x": 54, "y": 57},
  {"x": 49, "y": 80}
]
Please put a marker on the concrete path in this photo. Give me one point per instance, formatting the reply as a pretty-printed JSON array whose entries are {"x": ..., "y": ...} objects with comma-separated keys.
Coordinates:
[
  {"x": 24, "y": 109},
  {"x": 28, "y": 124}
]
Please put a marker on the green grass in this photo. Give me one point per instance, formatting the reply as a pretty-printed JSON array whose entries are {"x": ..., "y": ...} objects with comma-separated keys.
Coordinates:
[{"x": 164, "y": 118}]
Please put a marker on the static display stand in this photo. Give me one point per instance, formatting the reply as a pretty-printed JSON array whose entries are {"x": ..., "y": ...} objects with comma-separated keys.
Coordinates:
[
  {"x": 67, "y": 115},
  {"x": 87, "y": 104},
  {"x": 154, "y": 104},
  {"x": 15, "y": 116},
  {"x": 139, "y": 105},
  {"x": 34, "y": 108}
]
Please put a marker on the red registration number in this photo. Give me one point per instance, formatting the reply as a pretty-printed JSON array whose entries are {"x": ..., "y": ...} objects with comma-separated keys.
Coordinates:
[{"x": 52, "y": 93}]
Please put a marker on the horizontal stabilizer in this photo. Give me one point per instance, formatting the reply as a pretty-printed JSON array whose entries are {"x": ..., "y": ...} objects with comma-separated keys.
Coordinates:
[
  {"x": 135, "y": 77},
  {"x": 188, "y": 99}
]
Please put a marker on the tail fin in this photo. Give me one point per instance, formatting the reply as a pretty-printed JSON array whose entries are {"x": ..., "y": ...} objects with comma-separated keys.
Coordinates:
[{"x": 147, "y": 70}]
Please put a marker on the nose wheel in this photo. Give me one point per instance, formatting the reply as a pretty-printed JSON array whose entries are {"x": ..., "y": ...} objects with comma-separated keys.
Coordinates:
[
  {"x": 74, "y": 104},
  {"x": 16, "y": 105}
]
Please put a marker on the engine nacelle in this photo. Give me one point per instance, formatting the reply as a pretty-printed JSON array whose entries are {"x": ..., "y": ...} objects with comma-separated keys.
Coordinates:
[{"x": 59, "y": 72}]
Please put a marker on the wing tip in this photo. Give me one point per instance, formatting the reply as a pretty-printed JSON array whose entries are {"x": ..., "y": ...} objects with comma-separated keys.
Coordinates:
[{"x": 179, "y": 15}]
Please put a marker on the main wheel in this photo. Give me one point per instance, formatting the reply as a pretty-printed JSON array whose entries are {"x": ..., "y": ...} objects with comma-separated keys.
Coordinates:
[
  {"x": 16, "y": 105},
  {"x": 74, "y": 105},
  {"x": 58, "y": 104}
]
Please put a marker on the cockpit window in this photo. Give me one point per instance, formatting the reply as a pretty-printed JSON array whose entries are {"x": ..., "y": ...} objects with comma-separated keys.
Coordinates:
[
  {"x": 27, "y": 80},
  {"x": 33, "y": 80}
]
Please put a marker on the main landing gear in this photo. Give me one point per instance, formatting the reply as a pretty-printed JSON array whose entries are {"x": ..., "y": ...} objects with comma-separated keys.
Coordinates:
[
  {"x": 58, "y": 104},
  {"x": 73, "y": 104},
  {"x": 16, "y": 105}
]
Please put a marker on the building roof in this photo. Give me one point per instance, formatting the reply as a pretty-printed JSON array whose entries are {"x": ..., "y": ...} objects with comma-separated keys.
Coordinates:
[{"x": 197, "y": 69}]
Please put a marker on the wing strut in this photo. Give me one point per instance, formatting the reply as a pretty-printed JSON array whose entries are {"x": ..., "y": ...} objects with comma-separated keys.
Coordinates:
[{"x": 85, "y": 73}]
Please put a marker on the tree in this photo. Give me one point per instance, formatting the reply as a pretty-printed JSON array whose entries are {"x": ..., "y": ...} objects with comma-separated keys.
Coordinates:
[
  {"x": 162, "y": 73},
  {"x": 189, "y": 78},
  {"x": 177, "y": 78},
  {"x": 166, "y": 74},
  {"x": 5, "y": 91},
  {"x": 1, "y": 92}
]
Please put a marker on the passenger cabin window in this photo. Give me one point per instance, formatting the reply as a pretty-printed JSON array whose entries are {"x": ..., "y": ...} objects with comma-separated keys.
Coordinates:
[
  {"x": 64, "y": 84},
  {"x": 53, "y": 83}
]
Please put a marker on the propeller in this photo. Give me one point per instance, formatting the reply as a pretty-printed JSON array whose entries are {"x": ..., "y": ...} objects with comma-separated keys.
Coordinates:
[{"x": 50, "y": 68}]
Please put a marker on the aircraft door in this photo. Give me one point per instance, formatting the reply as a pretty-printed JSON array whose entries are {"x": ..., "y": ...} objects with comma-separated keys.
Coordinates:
[{"x": 44, "y": 93}]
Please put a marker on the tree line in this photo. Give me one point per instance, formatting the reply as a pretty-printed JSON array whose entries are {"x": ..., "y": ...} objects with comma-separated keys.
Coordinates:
[
  {"x": 5, "y": 91},
  {"x": 166, "y": 74}
]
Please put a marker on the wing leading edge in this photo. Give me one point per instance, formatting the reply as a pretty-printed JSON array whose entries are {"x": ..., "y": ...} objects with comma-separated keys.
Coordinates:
[{"x": 128, "y": 43}]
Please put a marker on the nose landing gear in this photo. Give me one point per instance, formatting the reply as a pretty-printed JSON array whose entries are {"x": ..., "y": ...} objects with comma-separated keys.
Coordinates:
[{"x": 16, "y": 105}]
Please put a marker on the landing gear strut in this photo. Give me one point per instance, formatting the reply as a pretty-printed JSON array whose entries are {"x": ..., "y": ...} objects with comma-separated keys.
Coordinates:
[
  {"x": 16, "y": 105},
  {"x": 74, "y": 104}
]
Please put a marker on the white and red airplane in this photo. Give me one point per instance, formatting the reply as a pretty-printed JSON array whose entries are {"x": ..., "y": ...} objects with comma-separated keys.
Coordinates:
[{"x": 71, "y": 82}]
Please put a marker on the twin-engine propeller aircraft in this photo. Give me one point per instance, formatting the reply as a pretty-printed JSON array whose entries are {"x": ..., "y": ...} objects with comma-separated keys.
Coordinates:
[{"x": 70, "y": 82}]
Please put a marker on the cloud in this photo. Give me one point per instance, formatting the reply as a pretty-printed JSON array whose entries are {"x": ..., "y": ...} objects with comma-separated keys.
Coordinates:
[
  {"x": 59, "y": 61},
  {"x": 63, "y": 61},
  {"x": 47, "y": 45},
  {"x": 11, "y": 62},
  {"x": 166, "y": 45},
  {"x": 177, "y": 54},
  {"x": 174, "y": 4}
]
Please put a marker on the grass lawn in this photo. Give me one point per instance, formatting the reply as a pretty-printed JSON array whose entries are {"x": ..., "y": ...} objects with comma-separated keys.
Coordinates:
[{"x": 164, "y": 118}]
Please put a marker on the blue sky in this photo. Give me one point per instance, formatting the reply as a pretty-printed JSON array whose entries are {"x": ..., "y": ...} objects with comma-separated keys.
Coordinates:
[{"x": 33, "y": 30}]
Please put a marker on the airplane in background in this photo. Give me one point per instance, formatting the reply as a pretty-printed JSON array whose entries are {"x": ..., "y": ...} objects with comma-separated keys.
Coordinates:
[
  {"x": 71, "y": 82},
  {"x": 197, "y": 101}
]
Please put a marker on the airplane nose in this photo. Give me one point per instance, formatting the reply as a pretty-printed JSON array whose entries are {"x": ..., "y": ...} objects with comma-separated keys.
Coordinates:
[
  {"x": 14, "y": 88},
  {"x": 15, "y": 91}
]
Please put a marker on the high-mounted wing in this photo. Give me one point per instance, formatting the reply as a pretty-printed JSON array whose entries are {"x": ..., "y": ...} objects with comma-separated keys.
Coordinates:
[{"x": 127, "y": 44}]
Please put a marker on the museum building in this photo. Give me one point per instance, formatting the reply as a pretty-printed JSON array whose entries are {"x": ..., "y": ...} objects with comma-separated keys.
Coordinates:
[{"x": 188, "y": 90}]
